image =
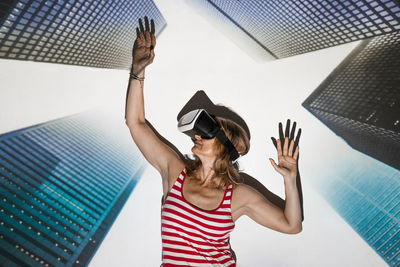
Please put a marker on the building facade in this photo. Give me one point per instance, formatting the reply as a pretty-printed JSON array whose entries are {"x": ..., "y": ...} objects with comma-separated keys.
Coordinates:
[
  {"x": 288, "y": 28},
  {"x": 63, "y": 184},
  {"x": 360, "y": 99},
  {"x": 365, "y": 193},
  {"x": 92, "y": 33}
]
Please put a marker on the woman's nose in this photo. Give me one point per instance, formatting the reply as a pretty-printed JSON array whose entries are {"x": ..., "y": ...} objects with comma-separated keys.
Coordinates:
[{"x": 197, "y": 137}]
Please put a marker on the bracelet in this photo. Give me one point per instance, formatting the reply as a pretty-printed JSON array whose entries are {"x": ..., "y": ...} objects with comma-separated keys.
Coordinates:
[{"x": 135, "y": 77}]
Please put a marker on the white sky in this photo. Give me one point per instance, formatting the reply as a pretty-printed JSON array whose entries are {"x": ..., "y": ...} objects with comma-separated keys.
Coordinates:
[{"x": 192, "y": 54}]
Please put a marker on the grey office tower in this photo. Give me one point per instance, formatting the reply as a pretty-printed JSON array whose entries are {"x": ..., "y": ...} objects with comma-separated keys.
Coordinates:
[
  {"x": 91, "y": 33},
  {"x": 288, "y": 28},
  {"x": 360, "y": 100}
]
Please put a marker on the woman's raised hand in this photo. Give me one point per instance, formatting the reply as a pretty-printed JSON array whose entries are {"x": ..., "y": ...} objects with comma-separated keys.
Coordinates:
[
  {"x": 291, "y": 136},
  {"x": 287, "y": 159},
  {"x": 143, "y": 49}
]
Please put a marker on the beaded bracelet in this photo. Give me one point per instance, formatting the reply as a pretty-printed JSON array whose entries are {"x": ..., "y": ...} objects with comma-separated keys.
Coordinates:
[{"x": 135, "y": 77}]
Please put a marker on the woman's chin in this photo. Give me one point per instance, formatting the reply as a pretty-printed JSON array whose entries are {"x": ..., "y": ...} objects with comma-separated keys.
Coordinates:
[{"x": 195, "y": 151}]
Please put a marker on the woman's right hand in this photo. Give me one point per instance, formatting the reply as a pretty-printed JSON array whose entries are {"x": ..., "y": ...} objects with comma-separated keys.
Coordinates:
[{"x": 143, "y": 49}]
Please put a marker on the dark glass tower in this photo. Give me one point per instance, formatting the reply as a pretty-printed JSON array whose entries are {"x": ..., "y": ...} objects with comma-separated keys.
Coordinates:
[
  {"x": 62, "y": 185},
  {"x": 366, "y": 194},
  {"x": 95, "y": 33},
  {"x": 360, "y": 99},
  {"x": 287, "y": 28}
]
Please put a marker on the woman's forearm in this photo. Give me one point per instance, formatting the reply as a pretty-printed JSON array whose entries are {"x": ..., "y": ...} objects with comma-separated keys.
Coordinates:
[
  {"x": 292, "y": 205},
  {"x": 134, "y": 109}
]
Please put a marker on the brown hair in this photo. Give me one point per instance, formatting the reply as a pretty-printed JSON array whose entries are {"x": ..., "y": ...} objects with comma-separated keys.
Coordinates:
[{"x": 225, "y": 171}]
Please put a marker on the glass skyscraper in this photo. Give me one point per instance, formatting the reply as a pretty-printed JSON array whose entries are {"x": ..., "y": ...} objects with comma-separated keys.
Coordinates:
[
  {"x": 366, "y": 194},
  {"x": 93, "y": 33},
  {"x": 360, "y": 99},
  {"x": 63, "y": 184},
  {"x": 360, "y": 102},
  {"x": 287, "y": 28}
]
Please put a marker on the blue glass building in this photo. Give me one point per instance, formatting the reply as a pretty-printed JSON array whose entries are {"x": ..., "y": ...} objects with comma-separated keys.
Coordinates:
[
  {"x": 93, "y": 33},
  {"x": 287, "y": 28},
  {"x": 366, "y": 193},
  {"x": 63, "y": 184},
  {"x": 360, "y": 102}
]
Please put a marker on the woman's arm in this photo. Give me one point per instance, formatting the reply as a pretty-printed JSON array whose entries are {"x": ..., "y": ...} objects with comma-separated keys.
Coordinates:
[
  {"x": 296, "y": 143},
  {"x": 254, "y": 183},
  {"x": 159, "y": 155},
  {"x": 247, "y": 201}
]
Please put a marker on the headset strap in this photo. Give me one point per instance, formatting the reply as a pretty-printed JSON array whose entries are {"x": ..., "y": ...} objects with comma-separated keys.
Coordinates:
[{"x": 227, "y": 144}]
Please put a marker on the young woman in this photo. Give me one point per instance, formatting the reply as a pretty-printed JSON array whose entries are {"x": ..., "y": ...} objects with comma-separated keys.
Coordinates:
[{"x": 202, "y": 197}]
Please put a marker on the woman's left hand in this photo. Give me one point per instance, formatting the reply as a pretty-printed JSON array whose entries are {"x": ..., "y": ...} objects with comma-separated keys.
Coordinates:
[{"x": 287, "y": 160}]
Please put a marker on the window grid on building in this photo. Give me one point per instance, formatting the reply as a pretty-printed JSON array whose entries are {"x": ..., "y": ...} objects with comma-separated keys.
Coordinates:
[
  {"x": 93, "y": 33},
  {"x": 366, "y": 194},
  {"x": 360, "y": 99},
  {"x": 367, "y": 89},
  {"x": 288, "y": 28},
  {"x": 62, "y": 183}
]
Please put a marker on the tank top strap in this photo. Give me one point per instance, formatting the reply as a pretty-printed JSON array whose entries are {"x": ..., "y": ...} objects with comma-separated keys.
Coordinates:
[
  {"x": 178, "y": 185},
  {"x": 228, "y": 194}
]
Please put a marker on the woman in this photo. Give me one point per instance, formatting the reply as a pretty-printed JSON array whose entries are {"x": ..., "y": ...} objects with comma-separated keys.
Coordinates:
[{"x": 202, "y": 197}]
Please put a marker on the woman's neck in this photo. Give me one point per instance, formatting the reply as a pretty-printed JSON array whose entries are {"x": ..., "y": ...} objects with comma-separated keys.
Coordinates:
[{"x": 206, "y": 172}]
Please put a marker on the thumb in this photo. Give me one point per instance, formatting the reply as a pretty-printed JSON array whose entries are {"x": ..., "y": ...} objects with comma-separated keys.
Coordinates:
[{"x": 276, "y": 167}]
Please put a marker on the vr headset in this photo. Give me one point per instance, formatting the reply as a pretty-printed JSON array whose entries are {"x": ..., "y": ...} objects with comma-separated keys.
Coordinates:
[{"x": 199, "y": 122}]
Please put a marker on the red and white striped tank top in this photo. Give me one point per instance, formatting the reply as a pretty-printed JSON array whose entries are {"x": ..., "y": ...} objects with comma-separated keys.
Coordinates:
[{"x": 192, "y": 236}]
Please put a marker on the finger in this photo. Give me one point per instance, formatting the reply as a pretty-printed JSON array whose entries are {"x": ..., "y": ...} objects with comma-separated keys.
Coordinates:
[
  {"x": 147, "y": 38},
  {"x": 276, "y": 167},
  {"x": 296, "y": 153},
  {"x": 141, "y": 25},
  {"x": 274, "y": 141},
  {"x": 285, "y": 146},
  {"x": 296, "y": 142},
  {"x": 293, "y": 131},
  {"x": 141, "y": 39},
  {"x": 153, "y": 41},
  {"x": 281, "y": 137},
  {"x": 279, "y": 146},
  {"x": 287, "y": 128},
  {"x": 147, "y": 31},
  {"x": 290, "y": 153},
  {"x": 137, "y": 32},
  {"x": 152, "y": 28},
  {"x": 146, "y": 24}
]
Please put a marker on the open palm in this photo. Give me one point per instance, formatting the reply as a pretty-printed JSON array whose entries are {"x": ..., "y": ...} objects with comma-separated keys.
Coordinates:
[
  {"x": 143, "y": 49},
  {"x": 287, "y": 160}
]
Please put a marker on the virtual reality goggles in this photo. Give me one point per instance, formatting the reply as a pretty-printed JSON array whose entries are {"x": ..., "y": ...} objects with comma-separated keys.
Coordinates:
[{"x": 199, "y": 122}]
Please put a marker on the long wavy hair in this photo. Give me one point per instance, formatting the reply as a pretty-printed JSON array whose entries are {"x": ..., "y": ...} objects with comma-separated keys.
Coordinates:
[{"x": 225, "y": 171}]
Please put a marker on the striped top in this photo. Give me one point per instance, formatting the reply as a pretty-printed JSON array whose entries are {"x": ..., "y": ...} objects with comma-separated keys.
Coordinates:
[{"x": 192, "y": 236}]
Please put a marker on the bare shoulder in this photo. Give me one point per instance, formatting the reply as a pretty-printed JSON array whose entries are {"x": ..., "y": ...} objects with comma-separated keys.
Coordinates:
[
  {"x": 241, "y": 197},
  {"x": 243, "y": 193}
]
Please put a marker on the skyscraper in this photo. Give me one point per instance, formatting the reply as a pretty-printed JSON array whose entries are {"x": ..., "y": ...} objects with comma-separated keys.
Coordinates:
[
  {"x": 93, "y": 33},
  {"x": 360, "y": 99},
  {"x": 365, "y": 192},
  {"x": 287, "y": 28},
  {"x": 63, "y": 183}
]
